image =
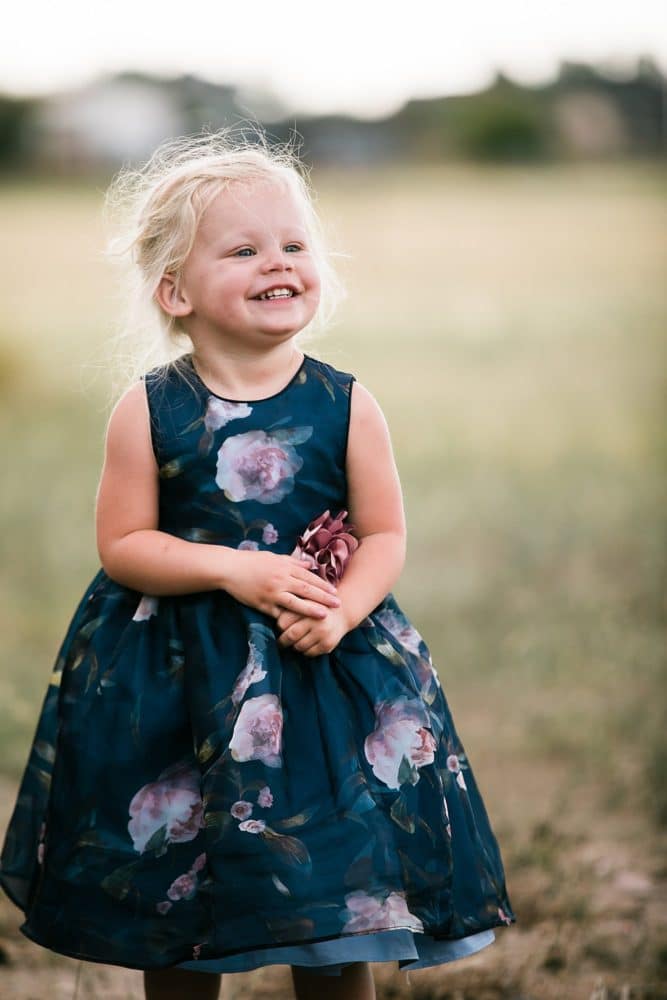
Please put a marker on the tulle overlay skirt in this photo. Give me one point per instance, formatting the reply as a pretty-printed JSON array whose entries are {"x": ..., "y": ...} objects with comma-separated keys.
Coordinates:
[{"x": 198, "y": 795}]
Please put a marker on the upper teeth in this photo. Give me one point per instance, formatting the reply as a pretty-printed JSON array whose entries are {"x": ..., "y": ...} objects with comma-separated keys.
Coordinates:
[{"x": 276, "y": 293}]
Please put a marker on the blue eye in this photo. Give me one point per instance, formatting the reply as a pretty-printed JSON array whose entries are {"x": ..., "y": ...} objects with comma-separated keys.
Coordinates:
[{"x": 295, "y": 245}]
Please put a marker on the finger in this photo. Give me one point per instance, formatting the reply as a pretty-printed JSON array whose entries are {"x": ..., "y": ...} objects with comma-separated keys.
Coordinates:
[
  {"x": 303, "y": 607},
  {"x": 295, "y": 633},
  {"x": 287, "y": 618},
  {"x": 314, "y": 650},
  {"x": 306, "y": 642},
  {"x": 308, "y": 576},
  {"x": 310, "y": 590}
]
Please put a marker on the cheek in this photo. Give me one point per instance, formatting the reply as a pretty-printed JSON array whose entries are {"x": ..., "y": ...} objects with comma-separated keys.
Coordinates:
[{"x": 315, "y": 284}]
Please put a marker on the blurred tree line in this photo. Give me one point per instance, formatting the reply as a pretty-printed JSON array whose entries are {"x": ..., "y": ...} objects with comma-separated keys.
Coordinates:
[{"x": 583, "y": 114}]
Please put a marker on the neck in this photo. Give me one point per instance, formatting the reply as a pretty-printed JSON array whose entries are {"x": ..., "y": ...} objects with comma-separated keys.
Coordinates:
[{"x": 242, "y": 374}]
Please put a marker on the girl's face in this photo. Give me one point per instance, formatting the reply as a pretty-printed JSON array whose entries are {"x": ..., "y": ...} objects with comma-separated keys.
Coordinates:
[{"x": 252, "y": 238}]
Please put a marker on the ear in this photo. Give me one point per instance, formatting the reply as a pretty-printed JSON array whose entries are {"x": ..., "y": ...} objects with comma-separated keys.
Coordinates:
[{"x": 170, "y": 298}]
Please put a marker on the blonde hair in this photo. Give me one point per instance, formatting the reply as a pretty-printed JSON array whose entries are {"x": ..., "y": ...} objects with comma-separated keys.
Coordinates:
[{"x": 155, "y": 211}]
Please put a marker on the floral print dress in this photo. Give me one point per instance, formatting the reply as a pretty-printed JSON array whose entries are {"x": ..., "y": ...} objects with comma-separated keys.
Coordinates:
[{"x": 197, "y": 795}]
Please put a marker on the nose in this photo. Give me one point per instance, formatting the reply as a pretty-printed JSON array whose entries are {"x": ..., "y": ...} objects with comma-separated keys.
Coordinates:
[{"x": 275, "y": 259}]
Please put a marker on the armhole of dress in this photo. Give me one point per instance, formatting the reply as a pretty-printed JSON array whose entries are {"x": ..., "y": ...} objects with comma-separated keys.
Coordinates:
[
  {"x": 347, "y": 425},
  {"x": 149, "y": 414}
]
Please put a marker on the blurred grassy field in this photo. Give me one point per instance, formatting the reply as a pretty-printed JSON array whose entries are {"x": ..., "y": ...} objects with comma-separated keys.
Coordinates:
[{"x": 511, "y": 322}]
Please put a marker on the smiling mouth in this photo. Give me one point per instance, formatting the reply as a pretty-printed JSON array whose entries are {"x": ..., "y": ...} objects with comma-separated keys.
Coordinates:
[{"x": 276, "y": 295}]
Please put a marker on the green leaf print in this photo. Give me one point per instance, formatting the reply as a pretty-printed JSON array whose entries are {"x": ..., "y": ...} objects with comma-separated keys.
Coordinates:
[
  {"x": 386, "y": 649},
  {"x": 292, "y": 822},
  {"x": 407, "y": 773},
  {"x": 119, "y": 882},
  {"x": 399, "y": 814},
  {"x": 157, "y": 841},
  {"x": 291, "y": 850},
  {"x": 45, "y": 750}
]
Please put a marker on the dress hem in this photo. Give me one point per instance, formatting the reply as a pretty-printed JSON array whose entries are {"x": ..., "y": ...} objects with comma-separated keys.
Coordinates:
[{"x": 108, "y": 960}]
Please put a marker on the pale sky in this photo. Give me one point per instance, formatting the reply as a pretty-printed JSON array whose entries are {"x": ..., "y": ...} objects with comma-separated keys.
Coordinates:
[{"x": 315, "y": 56}]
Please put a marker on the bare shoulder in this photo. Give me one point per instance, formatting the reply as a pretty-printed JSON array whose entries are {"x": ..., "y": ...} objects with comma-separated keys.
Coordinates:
[
  {"x": 128, "y": 429},
  {"x": 367, "y": 421},
  {"x": 375, "y": 500}
]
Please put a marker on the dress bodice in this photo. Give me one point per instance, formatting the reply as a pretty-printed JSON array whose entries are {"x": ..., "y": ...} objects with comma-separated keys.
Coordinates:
[{"x": 250, "y": 474}]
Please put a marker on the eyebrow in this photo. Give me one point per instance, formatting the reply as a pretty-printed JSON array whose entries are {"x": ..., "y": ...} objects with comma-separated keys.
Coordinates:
[{"x": 250, "y": 234}]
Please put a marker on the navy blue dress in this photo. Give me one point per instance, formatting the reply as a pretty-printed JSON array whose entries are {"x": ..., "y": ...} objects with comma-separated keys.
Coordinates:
[{"x": 197, "y": 795}]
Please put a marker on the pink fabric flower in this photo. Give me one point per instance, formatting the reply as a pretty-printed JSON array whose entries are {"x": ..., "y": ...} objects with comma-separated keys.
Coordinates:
[
  {"x": 326, "y": 545},
  {"x": 265, "y": 798},
  {"x": 370, "y": 913},
  {"x": 401, "y": 742},
  {"x": 241, "y": 809},
  {"x": 173, "y": 802},
  {"x": 258, "y": 731}
]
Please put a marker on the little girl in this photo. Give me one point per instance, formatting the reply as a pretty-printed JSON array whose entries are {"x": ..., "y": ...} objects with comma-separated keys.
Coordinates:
[{"x": 244, "y": 755}]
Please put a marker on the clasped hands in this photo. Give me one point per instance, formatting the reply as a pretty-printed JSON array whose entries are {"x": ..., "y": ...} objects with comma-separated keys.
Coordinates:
[
  {"x": 307, "y": 609},
  {"x": 316, "y": 631}
]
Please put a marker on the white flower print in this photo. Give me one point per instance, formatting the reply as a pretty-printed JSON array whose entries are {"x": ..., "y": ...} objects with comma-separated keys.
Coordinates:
[
  {"x": 251, "y": 673},
  {"x": 368, "y": 913},
  {"x": 258, "y": 731},
  {"x": 269, "y": 534},
  {"x": 241, "y": 809},
  {"x": 253, "y": 826},
  {"x": 146, "y": 607},
  {"x": 220, "y": 411}
]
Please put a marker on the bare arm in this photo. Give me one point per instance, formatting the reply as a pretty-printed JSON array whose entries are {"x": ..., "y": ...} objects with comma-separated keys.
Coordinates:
[
  {"x": 133, "y": 552},
  {"x": 375, "y": 504}
]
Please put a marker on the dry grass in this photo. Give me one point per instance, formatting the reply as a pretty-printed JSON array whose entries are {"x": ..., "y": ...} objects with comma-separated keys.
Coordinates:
[{"x": 511, "y": 324}]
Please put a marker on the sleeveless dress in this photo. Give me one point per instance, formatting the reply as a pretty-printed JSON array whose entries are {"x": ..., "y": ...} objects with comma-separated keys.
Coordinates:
[{"x": 197, "y": 795}]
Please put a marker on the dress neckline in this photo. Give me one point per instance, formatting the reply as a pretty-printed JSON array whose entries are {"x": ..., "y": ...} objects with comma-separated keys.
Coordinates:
[{"x": 227, "y": 399}]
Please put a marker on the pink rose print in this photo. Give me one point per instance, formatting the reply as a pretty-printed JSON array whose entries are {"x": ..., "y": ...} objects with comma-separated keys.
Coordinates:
[
  {"x": 327, "y": 545},
  {"x": 251, "y": 673},
  {"x": 184, "y": 887},
  {"x": 146, "y": 607},
  {"x": 401, "y": 629},
  {"x": 260, "y": 466},
  {"x": 252, "y": 825},
  {"x": 401, "y": 740},
  {"x": 164, "y": 907},
  {"x": 265, "y": 798},
  {"x": 199, "y": 863},
  {"x": 220, "y": 411},
  {"x": 504, "y": 917},
  {"x": 269, "y": 534},
  {"x": 241, "y": 809},
  {"x": 248, "y": 544},
  {"x": 258, "y": 731},
  {"x": 369, "y": 913},
  {"x": 173, "y": 802},
  {"x": 454, "y": 765}
]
